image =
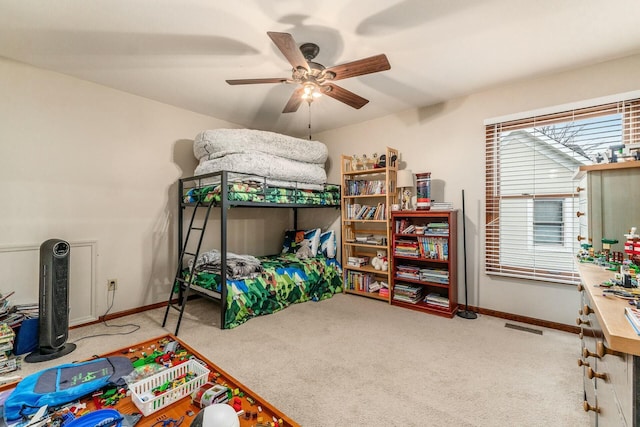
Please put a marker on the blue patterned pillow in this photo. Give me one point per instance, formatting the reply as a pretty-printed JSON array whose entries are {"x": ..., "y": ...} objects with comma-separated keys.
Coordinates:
[
  {"x": 294, "y": 240},
  {"x": 328, "y": 245}
]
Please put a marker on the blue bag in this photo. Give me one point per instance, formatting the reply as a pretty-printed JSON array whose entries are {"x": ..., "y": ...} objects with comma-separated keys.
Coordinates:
[{"x": 64, "y": 384}]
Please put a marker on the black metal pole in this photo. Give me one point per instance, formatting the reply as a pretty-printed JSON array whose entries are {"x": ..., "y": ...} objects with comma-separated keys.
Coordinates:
[{"x": 465, "y": 313}]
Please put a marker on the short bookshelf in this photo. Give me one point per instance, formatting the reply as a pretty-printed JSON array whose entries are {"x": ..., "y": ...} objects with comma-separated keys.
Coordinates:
[{"x": 424, "y": 252}]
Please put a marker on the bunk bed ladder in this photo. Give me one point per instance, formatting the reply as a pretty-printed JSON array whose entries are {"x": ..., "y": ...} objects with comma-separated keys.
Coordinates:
[{"x": 185, "y": 285}]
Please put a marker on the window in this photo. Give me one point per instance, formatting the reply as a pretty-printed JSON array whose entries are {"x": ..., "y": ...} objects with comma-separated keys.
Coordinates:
[
  {"x": 531, "y": 199},
  {"x": 548, "y": 222}
]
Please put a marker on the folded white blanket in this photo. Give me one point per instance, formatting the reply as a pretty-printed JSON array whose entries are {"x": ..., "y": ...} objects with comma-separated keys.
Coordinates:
[
  {"x": 212, "y": 144},
  {"x": 266, "y": 165}
]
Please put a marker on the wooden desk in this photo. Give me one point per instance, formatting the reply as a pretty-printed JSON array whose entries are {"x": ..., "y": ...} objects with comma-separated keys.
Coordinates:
[
  {"x": 182, "y": 407},
  {"x": 610, "y": 354},
  {"x": 609, "y": 310}
]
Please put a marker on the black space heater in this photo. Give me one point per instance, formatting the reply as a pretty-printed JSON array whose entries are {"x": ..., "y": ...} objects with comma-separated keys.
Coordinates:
[{"x": 53, "y": 323}]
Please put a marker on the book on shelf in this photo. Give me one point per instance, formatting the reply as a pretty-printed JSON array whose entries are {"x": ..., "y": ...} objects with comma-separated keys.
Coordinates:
[
  {"x": 406, "y": 248},
  {"x": 441, "y": 206},
  {"x": 369, "y": 239},
  {"x": 435, "y": 298},
  {"x": 407, "y": 293},
  {"x": 366, "y": 212},
  {"x": 403, "y": 226},
  {"x": 434, "y": 275},
  {"x": 437, "y": 228},
  {"x": 363, "y": 211},
  {"x": 633, "y": 316},
  {"x": 434, "y": 248},
  {"x": 363, "y": 187},
  {"x": 366, "y": 282},
  {"x": 438, "y": 225},
  {"x": 407, "y": 272},
  {"x": 349, "y": 235},
  {"x": 351, "y": 210},
  {"x": 359, "y": 281},
  {"x": 408, "y": 229}
]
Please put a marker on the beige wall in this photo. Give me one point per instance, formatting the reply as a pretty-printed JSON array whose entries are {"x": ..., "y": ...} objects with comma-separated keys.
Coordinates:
[
  {"x": 448, "y": 141},
  {"x": 85, "y": 163}
]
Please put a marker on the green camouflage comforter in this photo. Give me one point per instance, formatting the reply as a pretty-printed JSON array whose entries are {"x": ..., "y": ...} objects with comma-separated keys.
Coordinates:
[
  {"x": 256, "y": 192},
  {"x": 286, "y": 280}
]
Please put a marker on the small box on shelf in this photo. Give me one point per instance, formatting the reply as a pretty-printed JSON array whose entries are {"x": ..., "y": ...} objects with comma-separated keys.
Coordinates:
[{"x": 358, "y": 261}]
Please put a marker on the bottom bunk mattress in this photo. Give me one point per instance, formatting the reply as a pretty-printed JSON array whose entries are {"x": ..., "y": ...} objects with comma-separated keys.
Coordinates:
[{"x": 285, "y": 280}]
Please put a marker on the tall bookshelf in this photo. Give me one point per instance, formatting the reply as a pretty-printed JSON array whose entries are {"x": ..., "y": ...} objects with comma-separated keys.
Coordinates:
[
  {"x": 367, "y": 195},
  {"x": 425, "y": 264}
]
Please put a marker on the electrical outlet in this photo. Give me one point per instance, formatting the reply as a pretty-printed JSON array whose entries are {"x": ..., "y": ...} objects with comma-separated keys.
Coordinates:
[{"x": 112, "y": 284}]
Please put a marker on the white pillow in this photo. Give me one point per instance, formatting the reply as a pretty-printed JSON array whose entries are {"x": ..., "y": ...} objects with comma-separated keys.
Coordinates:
[{"x": 328, "y": 245}]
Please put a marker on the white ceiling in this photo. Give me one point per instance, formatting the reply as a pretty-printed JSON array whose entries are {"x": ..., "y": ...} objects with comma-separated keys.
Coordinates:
[{"x": 180, "y": 52}]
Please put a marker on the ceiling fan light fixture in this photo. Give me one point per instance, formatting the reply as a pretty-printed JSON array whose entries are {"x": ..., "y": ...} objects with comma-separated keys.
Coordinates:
[{"x": 310, "y": 91}]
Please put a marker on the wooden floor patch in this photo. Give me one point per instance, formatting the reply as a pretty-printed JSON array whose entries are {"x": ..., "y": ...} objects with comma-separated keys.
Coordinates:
[{"x": 523, "y": 328}]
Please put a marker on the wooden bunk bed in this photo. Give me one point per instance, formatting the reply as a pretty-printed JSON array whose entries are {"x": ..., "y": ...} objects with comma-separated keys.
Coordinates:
[{"x": 283, "y": 278}]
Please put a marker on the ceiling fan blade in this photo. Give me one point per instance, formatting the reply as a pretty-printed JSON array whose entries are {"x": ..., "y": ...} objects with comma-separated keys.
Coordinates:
[
  {"x": 288, "y": 47},
  {"x": 343, "y": 95},
  {"x": 360, "y": 67},
  {"x": 294, "y": 102},
  {"x": 257, "y": 81}
]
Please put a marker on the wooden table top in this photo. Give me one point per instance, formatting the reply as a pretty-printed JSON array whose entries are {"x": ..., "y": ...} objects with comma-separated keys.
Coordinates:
[
  {"x": 609, "y": 310},
  {"x": 259, "y": 411}
]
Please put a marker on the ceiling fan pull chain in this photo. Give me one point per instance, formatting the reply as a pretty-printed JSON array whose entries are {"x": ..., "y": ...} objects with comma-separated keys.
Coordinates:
[{"x": 309, "y": 121}]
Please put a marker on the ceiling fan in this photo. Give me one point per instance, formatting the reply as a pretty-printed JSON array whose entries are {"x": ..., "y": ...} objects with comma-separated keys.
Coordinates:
[{"x": 314, "y": 79}]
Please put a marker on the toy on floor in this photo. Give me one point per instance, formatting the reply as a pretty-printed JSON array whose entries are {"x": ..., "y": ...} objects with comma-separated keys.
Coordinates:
[
  {"x": 210, "y": 394},
  {"x": 217, "y": 415}
]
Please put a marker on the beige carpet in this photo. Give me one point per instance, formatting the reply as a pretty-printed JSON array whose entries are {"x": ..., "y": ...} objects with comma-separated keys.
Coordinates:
[{"x": 352, "y": 361}]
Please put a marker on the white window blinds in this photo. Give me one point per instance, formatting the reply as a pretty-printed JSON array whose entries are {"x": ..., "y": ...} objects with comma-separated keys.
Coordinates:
[{"x": 531, "y": 199}]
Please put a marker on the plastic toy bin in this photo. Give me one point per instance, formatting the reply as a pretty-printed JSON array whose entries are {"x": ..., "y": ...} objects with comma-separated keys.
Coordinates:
[{"x": 148, "y": 402}]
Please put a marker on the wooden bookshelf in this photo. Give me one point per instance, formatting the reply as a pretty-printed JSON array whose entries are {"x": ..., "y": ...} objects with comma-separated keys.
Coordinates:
[
  {"x": 424, "y": 259},
  {"x": 367, "y": 196}
]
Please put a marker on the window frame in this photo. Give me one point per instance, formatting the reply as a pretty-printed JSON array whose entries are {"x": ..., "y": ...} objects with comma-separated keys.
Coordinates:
[{"x": 630, "y": 111}]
